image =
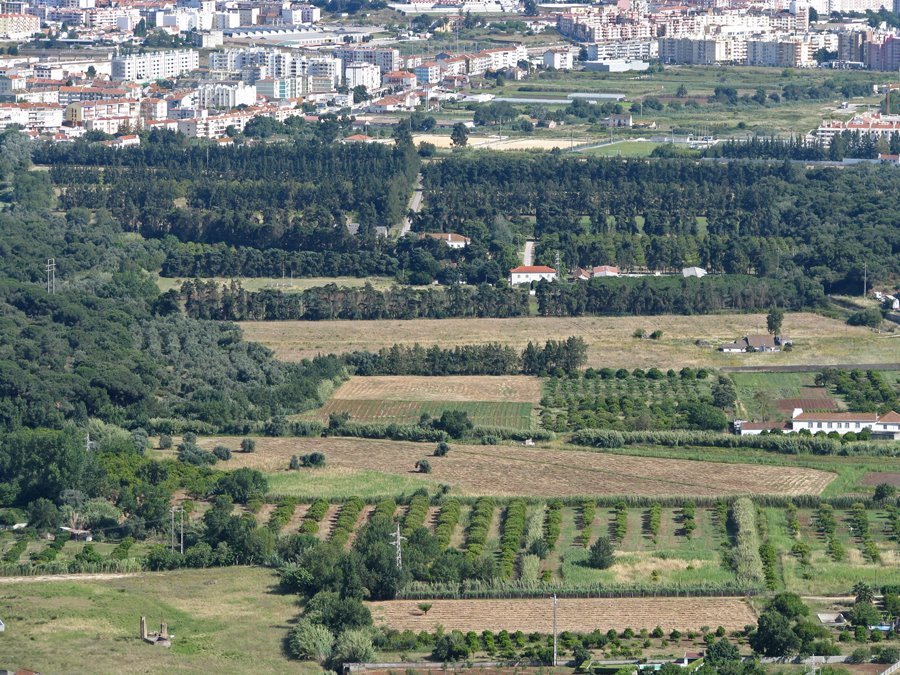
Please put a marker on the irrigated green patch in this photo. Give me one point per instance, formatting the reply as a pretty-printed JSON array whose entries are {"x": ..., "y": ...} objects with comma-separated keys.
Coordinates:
[{"x": 505, "y": 414}]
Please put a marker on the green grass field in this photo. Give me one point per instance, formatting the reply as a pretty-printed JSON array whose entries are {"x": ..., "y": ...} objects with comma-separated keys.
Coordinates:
[
  {"x": 225, "y": 620},
  {"x": 757, "y": 391},
  {"x": 622, "y": 149},
  {"x": 337, "y": 483}
]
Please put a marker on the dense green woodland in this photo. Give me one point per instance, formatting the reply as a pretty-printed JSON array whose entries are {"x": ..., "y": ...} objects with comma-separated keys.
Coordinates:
[{"x": 772, "y": 220}]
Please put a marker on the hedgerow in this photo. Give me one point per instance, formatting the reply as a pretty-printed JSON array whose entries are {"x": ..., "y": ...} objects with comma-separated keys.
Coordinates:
[
  {"x": 553, "y": 523},
  {"x": 479, "y": 525},
  {"x": 415, "y": 514},
  {"x": 346, "y": 521},
  {"x": 446, "y": 522},
  {"x": 745, "y": 559},
  {"x": 511, "y": 538},
  {"x": 281, "y": 516},
  {"x": 314, "y": 515}
]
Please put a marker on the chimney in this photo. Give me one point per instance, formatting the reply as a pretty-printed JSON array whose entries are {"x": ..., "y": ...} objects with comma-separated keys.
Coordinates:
[
  {"x": 143, "y": 627},
  {"x": 164, "y": 631}
]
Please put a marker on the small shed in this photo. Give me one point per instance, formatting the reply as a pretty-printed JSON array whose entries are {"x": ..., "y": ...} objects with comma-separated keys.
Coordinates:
[{"x": 697, "y": 272}]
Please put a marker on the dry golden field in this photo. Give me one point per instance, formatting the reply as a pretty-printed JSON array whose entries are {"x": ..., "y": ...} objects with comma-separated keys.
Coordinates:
[
  {"x": 516, "y": 470},
  {"x": 575, "y": 614},
  {"x": 817, "y": 340},
  {"x": 514, "y": 388}
]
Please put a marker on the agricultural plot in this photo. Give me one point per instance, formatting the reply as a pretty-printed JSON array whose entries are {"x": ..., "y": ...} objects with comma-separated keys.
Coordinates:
[
  {"x": 621, "y": 399},
  {"x": 685, "y": 341},
  {"x": 758, "y": 393},
  {"x": 505, "y": 402},
  {"x": 816, "y": 558},
  {"x": 576, "y": 614},
  {"x": 512, "y": 471}
]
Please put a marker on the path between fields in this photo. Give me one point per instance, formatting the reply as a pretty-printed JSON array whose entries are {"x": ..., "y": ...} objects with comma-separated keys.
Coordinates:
[
  {"x": 528, "y": 253},
  {"x": 68, "y": 577}
]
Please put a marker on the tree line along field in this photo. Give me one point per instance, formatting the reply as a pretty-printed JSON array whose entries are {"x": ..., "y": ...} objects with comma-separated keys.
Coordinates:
[
  {"x": 818, "y": 341},
  {"x": 511, "y": 471}
]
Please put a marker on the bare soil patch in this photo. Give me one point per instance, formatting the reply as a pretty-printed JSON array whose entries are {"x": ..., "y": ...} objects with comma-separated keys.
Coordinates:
[
  {"x": 576, "y": 614},
  {"x": 505, "y": 470},
  {"x": 875, "y": 478}
]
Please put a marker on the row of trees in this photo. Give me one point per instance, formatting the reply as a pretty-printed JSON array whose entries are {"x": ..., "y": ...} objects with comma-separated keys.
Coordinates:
[
  {"x": 767, "y": 219},
  {"x": 490, "y": 359}
]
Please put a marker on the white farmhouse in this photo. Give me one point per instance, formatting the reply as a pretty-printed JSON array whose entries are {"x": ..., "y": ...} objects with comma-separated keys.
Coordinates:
[
  {"x": 698, "y": 272},
  {"x": 525, "y": 274}
]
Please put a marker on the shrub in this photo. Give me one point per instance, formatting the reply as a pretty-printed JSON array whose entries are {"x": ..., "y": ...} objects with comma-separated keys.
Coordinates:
[
  {"x": 553, "y": 523},
  {"x": 415, "y": 514},
  {"x": 602, "y": 555},
  {"x": 511, "y": 538},
  {"x": 479, "y": 524},
  {"x": 222, "y": 452},
  {"x": 346, "y": 521},
  {"x": 745, "y": 559},
  {"x": 313, "y": 460},
  {"x": 423, "y": 466},
  {"x": 165, "y": 442},
  {"x": 310, "y": 641},
  {"x": 442, "y": 449},
  {"x": 248, "y": 445},
  {"x": 314, "y": 515},
  {"x": 354, "y": 646}
]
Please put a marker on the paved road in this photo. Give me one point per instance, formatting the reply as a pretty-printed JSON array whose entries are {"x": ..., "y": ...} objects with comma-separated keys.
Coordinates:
[
  {"x": 415, "y": 205},
  {"x": 42, "y": 578},
  {"x": 528, "y": 254}
]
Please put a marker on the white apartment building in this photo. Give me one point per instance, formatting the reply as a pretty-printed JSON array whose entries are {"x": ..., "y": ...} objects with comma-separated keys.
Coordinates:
[
  {"x": 278, "y": 88},
  {"x": 32, "y": 116},
  {"x": 88, "y": 114},
  {"x": 366, "y": 75},
  {"x": 779, "y": 53},
  {"x": 386, "y": 59},
  {"x": 558, "y": 59},
  {"x": 155, "y": 65},
  {"x": 225, "y": 94},
  {"x": 629, "y": 50},
  {"x": 301, "y": 14},
  {"x": 702, "y": 50},
  {"x": 872, "y": 124},
  {"x": 18, "y": 26},
  {"x": 427, "y": 73}
]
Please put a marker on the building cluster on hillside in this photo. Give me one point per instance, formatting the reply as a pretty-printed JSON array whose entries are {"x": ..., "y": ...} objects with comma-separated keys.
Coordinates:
[
  {"x": 120, "y": 93},
  {"x": 774, "y": 33},
  {"x": 886, "y": 426}
]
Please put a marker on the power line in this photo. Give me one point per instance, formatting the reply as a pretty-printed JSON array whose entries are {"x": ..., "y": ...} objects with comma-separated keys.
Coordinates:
[
  {"x": 396, "y": 540},
  {"x": 51, "y": 275}
]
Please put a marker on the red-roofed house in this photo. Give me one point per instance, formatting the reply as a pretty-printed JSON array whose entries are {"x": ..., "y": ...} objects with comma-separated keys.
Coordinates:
[
  {"x": 452, "y": 239},
  {"x": 399, "y": 78},
  {"x": 525, "y": 274},
  {"x": 605, "y": 271}
]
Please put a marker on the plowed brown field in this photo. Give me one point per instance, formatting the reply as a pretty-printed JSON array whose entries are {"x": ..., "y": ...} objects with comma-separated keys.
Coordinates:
[
  {"x": 576, "y": 614},
  {"x": 506, "y": 470}
]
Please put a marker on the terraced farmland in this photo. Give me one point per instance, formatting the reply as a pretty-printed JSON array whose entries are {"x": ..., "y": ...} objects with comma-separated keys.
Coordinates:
[{"x": 576, "y": 614}]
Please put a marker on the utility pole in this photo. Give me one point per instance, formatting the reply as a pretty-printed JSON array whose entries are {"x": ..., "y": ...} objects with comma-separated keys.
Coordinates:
[
  {"x": 865, "y": 278},
  {"x": 181, "y": 520},
  {"x": 555, "y": 602},
  {"x": 51, "y": 275},
  {"x": 396, "y": 540},
  {"x": 172, "y": 529}
]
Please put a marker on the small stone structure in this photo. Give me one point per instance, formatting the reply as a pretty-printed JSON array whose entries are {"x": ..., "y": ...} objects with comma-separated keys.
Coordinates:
[{"x": 160, "y": 639}]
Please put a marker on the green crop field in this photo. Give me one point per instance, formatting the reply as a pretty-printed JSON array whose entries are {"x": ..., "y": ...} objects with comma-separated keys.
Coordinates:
[{"x": 225, "y": 620}]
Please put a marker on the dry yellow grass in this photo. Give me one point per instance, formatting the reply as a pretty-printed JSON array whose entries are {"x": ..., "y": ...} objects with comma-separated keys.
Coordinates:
[
  {"x": 515, "y": 470},
  {"x": 817, "y": 340},
  {"x": 577, "y": 614},
  {"x": 514, "y": 388}
]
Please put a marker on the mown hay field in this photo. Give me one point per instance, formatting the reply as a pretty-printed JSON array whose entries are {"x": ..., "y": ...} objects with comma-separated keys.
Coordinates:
[
  {"x": 516, "y": 470},
  {"x": 482, "y": 413},
  {"x": 509, "y": 388},
  {"x": 817, "y": 339},
  {"x": 575, "y": 614}
]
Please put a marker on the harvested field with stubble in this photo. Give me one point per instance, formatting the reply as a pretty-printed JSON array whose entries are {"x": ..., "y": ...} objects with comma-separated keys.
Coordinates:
[
  {"x": 506, "y": 470},
  {"x": 513, "y": 388},
  {"x": 817, "y": 340},
  {"x": 581, "y": 615}
]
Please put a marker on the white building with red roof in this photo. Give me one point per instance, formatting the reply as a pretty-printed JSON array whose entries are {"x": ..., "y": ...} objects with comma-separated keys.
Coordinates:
[
  {"x": 885, "y": 426},
  {"x": 605, "y": 271},
  {"x": 526, "y": 274}
]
